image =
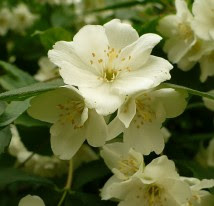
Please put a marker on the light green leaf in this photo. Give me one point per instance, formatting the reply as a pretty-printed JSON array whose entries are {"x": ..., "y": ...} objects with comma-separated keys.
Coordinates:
[
  {"x": 11, "y": 175},
  {"x": 13, "y": 111},
  {"x": 15, "y": 77},
  {"x": 49, "y": 37},
  {"x": 31, "y": 90},
  {"x": 189, "y": 90},
  {"x": 3, "y": 105},
  {"x": 5, "y": 137}
]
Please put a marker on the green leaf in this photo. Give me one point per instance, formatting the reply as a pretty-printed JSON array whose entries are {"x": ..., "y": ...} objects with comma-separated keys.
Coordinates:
[
  {"x": 5, "y": 137},
  {"x": 90, "y": 172},
  {"x": 49, "y": 37},
  {"x": 15, "y": 77},
  {"x": 31, "y": 90},
  {"x": 3, "y": 105},
  {"x": 11, "y": 175},
  {"x": 13, "y": 111},
  {"x": 189, "y": 90}
]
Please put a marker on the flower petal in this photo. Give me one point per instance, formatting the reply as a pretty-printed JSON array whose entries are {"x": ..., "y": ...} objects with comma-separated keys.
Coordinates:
[
  {"x": 96, "y": 133},
  {"x": 66, "y": 140},
  {"x": 120, "y": 34},
  {"x": 127, "y": 112},
  {"x": 156, "y": 170},
  {"x": 45, "y": 106},
  {"x": 72, "y": 68},
  {"x": 136, "y": 55},
  {"x": 31, "y": 200},
  {"x": 152, "y": 73},
  {"x": 102, "y": 99},
  {"x": 174, "y": 102},
  {"x": 144, "y": 138}
]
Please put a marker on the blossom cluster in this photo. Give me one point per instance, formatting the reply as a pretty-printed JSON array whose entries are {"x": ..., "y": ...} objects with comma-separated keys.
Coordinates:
[
  {"x": 110, "y": 73},
  {"x": 190, "y": 36},
  {"x": 17, "y": 19}
]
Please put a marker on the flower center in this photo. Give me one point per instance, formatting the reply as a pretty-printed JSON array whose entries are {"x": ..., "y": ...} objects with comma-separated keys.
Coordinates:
[
  {"x": 129, "y": 166},
  {"x": 144, "y": 112},
  {"x": 71, "y": 111},
  {"x": 153, "y": 195},
  {"x": 185, "y": 31},
  {"x": 110, "y": 75}
]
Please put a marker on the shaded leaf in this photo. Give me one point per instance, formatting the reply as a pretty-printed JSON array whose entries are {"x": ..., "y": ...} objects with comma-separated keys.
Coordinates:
[
  {"x": 5, "y": 137},
  {"x": 13, "y": 111},
  {"x": 31, "y": 90}
]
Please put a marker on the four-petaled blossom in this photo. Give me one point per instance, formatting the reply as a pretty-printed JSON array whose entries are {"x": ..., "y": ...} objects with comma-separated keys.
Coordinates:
[
  {"x": 73, "y": 122},
  {"x": 31, "y": 200},
  {"x": 109, "y": 62},
  {"x": 178, "y": 28},
  {"x": 22, "y": 18},
  {"x": 142, "y": 116},
  {"x": 199, "y": 196},
  {"x": 158, "y": 184}
]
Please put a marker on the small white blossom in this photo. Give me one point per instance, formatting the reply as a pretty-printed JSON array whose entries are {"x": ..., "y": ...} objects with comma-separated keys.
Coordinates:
[
  {"x": 123, "y": 162},
  {"x": 199, "y": 196},
  {"x": 47, "y": 70},
  {"x": 73, "y": 122},
  {"x": 178, "y": 28},
  {"x": 159, "y": 185},
  {"x": 5, "y": 21},
  {"x": 203, "y": 18},
  {"x": 142, "y": 116},
  {"x": 22, "y": 18},
  {"x": 31, "y": 200},
  {"x": 205, "y": 156},
  {"x": 109, "y": 62}
]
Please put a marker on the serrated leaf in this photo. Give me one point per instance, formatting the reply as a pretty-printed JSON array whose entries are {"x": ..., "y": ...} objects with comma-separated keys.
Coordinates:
[
  {"x": 49, "y": 37},
  {"x": 12, "y": 175},
  {"x": 5, "y": 137},
  {"x": 13, "y": 111},
  {"x": 90, "y": 172},
  {"x": 189, "y": 90},
  {"x": 15, "y": 77},
  {"x": 31, "y": 90}
]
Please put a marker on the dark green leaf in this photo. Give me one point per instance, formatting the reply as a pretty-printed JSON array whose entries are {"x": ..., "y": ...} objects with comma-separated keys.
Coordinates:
[
  {"x": 11, "y": 175},
  {"x": 31, "y": 90},
  {"x": 51, "y": 36},
  {"x": 95, "y": 170},
  {"x": 15, "y": 77},
  {"x": 13, "y": 111},
  {"x": 5, "y": 137}
]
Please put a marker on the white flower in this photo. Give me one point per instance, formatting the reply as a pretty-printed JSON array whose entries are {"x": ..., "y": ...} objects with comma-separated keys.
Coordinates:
[
  {"x": 159, "y": 185},
  {"x": 109, "y": 62},
  {"x": 203, "y": 18},
  {"x": 30, "y": 200},
  {"x": 205, "y": 156},
  {"x": 123, "y": 162},
  {"x": 178, "y": 28},
  {"x": 73, "y": 122},
  {"x": 47, "y": 70},
  {"x": 22, "y": 18},
  {"x": 143, "y": 115},
  {"x": 199, "y": 196},
  {"x": 209, "y": 103},
  {"x": 5, "y": 21}
]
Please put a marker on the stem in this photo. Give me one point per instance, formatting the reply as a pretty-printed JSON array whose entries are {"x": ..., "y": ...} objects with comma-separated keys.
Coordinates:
[{"x": 68, "y": 183}]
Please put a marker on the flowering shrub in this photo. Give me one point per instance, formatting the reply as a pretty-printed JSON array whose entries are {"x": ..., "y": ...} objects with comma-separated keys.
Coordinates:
[{"x": 107, "y": 103}]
